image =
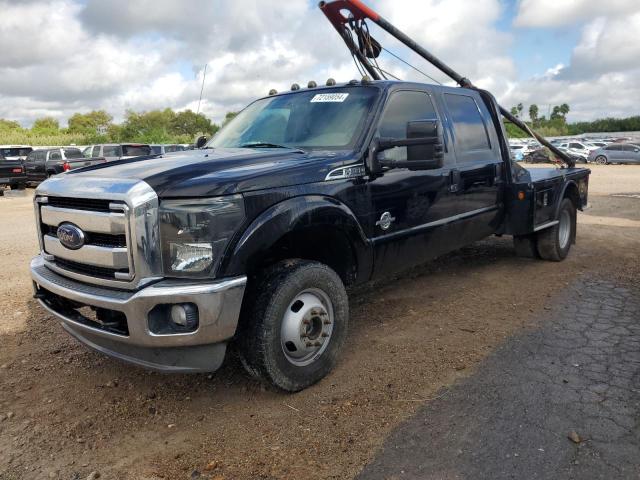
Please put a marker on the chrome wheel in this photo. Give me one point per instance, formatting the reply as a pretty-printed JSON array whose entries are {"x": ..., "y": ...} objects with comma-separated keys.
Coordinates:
[
  {"x": 601, "y": 160},
  {"x": 307, "y": 327},
  {"x": 564, "y": 229}
]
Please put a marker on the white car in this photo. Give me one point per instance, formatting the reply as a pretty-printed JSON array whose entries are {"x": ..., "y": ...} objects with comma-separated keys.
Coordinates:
[{"x": 581, "y": 149}]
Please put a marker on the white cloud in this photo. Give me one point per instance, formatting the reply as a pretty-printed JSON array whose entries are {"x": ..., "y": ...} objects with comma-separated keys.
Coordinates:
[
  {"x": 63, "y": 56},
  {"x": 554, "y": 13},
  {"x": 602, "y": 78}
]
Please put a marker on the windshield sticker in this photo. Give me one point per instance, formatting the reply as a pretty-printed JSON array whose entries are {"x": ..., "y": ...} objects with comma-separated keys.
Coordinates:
[{"x": 329, "y": 97}]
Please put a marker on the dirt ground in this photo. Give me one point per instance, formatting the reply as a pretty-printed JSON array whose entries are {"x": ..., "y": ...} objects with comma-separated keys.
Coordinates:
[{"x": 66, "y": 412}]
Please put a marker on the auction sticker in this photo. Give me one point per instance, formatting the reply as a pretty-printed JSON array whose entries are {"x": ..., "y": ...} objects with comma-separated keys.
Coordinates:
[{"x": 329, "y": 97}]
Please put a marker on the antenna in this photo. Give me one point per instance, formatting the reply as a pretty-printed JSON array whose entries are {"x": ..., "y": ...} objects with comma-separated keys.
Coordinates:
[{"x": 204, "y": 76}]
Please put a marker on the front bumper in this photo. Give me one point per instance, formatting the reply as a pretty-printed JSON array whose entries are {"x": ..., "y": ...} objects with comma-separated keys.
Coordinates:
[{"x": 202, "y": 350}]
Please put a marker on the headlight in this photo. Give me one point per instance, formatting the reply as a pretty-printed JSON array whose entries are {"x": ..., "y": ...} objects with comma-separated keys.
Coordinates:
[{"x": 194, "y": 233}]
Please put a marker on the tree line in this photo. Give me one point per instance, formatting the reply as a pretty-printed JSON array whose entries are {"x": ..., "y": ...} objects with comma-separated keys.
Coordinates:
[
  {"x": 155, "y": 126},
  {"x": 556, "y": 125}
]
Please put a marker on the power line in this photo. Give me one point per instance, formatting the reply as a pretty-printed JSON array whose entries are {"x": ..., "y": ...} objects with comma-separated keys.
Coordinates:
[
  {"x": 408, "y": 64},
  {"x": 202, "y": 88}
]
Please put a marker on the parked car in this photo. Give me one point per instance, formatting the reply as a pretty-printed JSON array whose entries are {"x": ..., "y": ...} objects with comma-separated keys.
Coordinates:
[
  {"x": 117, "y": 151},
  {"x": 577, "y": 155},
  {"x": 518, "y": 152},
  {"x": 616, "y": 153},
  {"x": 15, "y": 152},
  {"x": 11, "y": 174},
  {"x": 42, "y": 164},
  {"x": 159, "y": 149},
  {"x": 581, "y": 149},
  {"x": 539, "y": 155}
]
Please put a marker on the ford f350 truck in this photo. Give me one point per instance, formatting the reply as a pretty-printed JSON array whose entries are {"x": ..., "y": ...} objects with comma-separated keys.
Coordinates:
[{"x": 253, "y": 240}]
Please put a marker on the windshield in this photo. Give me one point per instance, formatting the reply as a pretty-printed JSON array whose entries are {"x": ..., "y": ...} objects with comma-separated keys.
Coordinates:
[
  {"x": 15, "y": 152},
  {"x": 327, "y": 118}
]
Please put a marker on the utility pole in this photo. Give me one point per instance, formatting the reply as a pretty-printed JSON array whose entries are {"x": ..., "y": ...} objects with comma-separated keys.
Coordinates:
[{"x": 204, "y": 76}]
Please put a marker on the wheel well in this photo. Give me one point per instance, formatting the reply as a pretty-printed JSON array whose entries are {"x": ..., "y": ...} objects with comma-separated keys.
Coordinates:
[
  {"x": 571, "y": 192},
  {"x": 322, "y": 244}
]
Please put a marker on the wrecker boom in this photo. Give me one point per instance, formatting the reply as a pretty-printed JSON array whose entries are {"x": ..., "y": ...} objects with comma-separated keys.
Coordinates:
[{"x": 367, "y": 48}]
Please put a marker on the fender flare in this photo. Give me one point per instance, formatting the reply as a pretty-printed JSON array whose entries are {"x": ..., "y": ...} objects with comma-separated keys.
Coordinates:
[
  {"x": 567, "y": 185},
  {"x": 293, "y": 214}
]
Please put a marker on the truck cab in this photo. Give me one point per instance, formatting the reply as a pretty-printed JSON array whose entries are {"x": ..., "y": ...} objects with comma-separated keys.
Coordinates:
[{"x": 253, "y": 240}]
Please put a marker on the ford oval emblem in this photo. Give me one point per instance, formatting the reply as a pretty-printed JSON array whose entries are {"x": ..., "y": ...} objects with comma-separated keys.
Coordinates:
[{"x": 70, "y": 236}]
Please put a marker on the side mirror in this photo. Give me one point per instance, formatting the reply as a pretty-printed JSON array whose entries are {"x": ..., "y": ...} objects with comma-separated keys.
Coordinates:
[
  {"x": 425, "y": 148},
  {"x": 426, "y": 130},
  {"x": 201, "y": 141}
]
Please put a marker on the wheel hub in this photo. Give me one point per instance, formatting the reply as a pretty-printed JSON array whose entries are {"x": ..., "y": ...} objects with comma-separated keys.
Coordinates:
[
  {"x": 306, "y": 327},
  {"x": 564, "y": 229}
]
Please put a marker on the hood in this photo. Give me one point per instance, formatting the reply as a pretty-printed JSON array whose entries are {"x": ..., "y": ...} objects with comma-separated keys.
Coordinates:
[{"x": 220, "y": 171}]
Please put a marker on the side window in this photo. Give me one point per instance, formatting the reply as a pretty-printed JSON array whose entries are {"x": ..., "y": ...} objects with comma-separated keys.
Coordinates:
[
  {"x": 471, "y": 132},
  {"x": 111, "y": 151},
  {"x": 96, "y": 151},
  {"x": 402, "y": 108},
  {"x": 55, "y": 155},
  {"x": 615, "y": 148},
  {"x": 41, "y": 156},
  {"x": 31, "y": 157},
  {"x": 577, "y": 146}
]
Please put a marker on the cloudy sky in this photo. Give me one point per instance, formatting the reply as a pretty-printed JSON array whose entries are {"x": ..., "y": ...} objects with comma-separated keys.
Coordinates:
[{"x": 63, "y": 56}]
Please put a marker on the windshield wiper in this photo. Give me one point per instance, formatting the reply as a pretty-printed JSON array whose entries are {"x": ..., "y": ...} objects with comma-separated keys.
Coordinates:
[{"x": 269, "y": 145}]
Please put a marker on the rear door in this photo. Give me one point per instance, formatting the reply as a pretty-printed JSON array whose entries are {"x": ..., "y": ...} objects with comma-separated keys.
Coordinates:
[
  {"x": 39, "y": 168},
  {"x": 52, "y": 166},
  {"x": 630, "y": 154},
  {"x": 30, "y": 166},
  {"x": 479, "y": 172}
]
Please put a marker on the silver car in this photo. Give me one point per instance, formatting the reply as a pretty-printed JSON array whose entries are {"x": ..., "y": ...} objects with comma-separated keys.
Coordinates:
[
  {"x": 117, "y": 151},
  {"x": 616, "y": 153}
]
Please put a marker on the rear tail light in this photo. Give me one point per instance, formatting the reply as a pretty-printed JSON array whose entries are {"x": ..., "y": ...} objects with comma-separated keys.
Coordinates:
[
  {"x": 17, "y": 170},
  {"x": 66, "y": 167}
]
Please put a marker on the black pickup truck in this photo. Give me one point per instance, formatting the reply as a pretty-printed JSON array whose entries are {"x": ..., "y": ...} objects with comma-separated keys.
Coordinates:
[
  {"x": 12, "y": 174},
  {"x": 253, "y": 240},
  {"x": 42, "y": 164}
]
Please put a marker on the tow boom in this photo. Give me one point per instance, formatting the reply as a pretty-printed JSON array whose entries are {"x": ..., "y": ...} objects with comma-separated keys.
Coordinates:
[{"x": 358, "y": 13}]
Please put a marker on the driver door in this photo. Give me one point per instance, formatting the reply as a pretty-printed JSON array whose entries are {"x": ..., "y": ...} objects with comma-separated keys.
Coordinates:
[{"x": 408, "y": 206}]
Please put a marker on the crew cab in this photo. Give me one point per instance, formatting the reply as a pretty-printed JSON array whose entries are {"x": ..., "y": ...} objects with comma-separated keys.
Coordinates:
[
  {"x": 253, "y": 239},
  {"x": 42, "y": 164}
]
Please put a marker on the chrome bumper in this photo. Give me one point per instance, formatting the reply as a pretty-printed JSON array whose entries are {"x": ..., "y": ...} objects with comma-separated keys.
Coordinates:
[{"x": 218, "y": 305}]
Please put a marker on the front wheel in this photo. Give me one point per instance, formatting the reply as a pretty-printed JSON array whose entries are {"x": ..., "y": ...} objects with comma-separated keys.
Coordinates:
[
  {"x": 601, "y": 160},
  {"x": 293, "y": 325},
  {"x": 554, "y": 243}
]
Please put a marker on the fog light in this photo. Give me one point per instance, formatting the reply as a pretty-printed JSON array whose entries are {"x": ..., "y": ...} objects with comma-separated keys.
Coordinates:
[{"x": 184, "y": 316}]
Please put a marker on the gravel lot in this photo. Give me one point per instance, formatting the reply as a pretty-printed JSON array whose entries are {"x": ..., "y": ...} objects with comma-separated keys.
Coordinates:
[{"x": 66, "y": 412}]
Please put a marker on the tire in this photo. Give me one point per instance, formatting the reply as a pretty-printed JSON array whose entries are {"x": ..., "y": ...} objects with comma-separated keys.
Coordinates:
[
  {"x": 287, "y": 302},
  {"x": 601, "y": 160},
  {"x": 555, "y": 242},
  {"x": 526, "y": 246},
  {"x": 18, "y": 186}
]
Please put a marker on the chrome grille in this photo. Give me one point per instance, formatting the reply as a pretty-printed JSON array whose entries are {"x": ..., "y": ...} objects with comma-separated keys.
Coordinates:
[
  {"x": 119, "y": 222},
  {"x": 105, "y": 253}
]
